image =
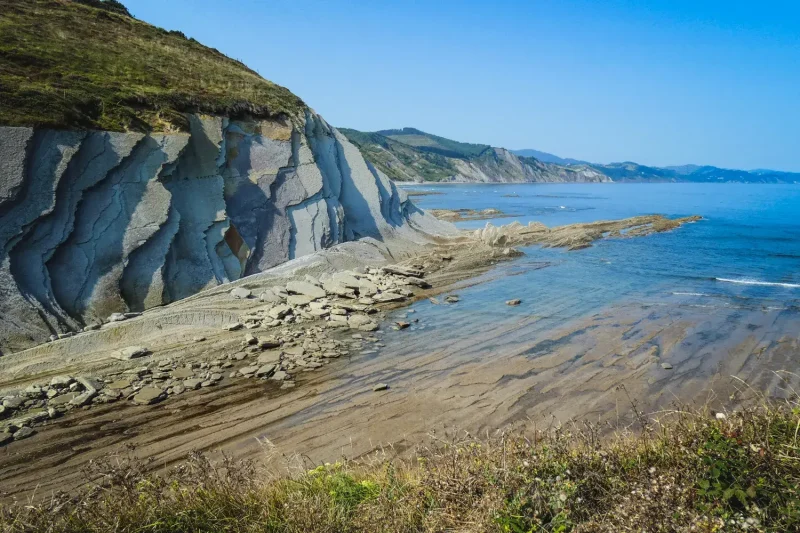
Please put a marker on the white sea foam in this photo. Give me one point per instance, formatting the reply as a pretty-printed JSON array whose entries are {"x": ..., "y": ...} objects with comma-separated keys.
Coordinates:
[
  {"x": 690, "y": 294},
  {"x": 748, "y": 281}
]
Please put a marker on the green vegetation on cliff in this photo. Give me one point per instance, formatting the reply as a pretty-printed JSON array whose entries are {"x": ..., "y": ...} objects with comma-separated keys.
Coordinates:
[
  {"x": 409, "y": 154},
  {"x": 694, "y": 472},
  {"x": 88, "y": 64},
  {"x": 427, "y": 142},
  {"x": 398, "y": 160}
]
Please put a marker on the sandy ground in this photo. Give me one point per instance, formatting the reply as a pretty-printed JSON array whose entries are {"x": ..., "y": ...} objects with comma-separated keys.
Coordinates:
[{"x": 591, "y": 369}]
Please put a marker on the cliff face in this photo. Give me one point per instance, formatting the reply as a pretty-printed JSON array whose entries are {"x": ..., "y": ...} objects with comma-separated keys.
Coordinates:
[
  {"x": 501, "y": 165},
  {"x": 93, "y": 223},
  {"x": 413, "y": 155}
]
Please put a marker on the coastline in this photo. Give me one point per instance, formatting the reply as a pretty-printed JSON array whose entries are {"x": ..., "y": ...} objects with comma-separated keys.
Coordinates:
[{"x": 230, "y": 414}]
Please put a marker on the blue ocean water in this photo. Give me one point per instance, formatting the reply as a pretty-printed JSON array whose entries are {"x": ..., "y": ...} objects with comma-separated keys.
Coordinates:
[{"x": 744, "y": 253}]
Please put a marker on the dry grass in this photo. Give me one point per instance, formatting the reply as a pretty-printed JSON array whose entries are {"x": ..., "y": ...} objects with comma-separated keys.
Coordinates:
[
  {"x": 689, "y": 472},
  {"x": 67, "y": 64}
]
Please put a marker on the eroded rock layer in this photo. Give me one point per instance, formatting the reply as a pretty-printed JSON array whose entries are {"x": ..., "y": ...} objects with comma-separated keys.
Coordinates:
[{"x": 95, "y": 223}]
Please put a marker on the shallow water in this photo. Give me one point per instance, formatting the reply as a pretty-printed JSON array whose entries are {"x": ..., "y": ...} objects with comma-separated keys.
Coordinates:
[
  {"x": 592, "y": 336},
  {"x": 744, "y": 254}
]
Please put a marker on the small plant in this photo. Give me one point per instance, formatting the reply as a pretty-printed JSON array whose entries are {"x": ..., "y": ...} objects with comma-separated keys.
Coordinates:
[{"x": 690, "y": 472}]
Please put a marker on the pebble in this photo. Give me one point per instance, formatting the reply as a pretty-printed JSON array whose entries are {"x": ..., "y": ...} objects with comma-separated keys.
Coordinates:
[
  {"x": 380, "y": 387},
  {"x": 515, "y": 301},
  {"x": 666, "y": 366}
]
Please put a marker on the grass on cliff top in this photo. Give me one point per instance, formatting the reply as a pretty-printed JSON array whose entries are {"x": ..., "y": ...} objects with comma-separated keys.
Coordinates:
[
  {"x": 67, "y": 64},
  {"x": 385, "y": 152},
  {"x": 693, "y": 472},
  {"x": 435, "y": 144}
]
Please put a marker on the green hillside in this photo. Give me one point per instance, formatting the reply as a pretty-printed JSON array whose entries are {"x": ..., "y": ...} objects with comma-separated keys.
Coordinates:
[
  {"x": 88, "y": 64},
  {"x": 398, "y": 160},
  {"x": 409, "y": 154},
  {"x": 435, "y": 144}
]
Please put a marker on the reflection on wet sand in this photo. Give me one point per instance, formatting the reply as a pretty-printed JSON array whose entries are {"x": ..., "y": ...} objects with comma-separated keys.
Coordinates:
[{"x": 500, "y": 372}]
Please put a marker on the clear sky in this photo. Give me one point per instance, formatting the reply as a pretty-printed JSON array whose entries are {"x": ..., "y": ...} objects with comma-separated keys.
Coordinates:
[{"x": 660, "y": 82}]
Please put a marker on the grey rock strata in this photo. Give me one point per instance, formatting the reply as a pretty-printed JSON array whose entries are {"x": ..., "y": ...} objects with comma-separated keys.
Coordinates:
[{"x": 98, "y": 223}]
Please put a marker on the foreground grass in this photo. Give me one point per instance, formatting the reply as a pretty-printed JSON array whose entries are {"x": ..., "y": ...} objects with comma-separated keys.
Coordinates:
[
  {"x": 692, "y": 472},
  {"x": 68, "y": 63}
]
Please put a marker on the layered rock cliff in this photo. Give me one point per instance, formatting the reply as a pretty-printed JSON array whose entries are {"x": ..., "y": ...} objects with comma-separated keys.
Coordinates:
[
  {"x": 413, "y": 155},
  {"x": 95, "y": 222}
]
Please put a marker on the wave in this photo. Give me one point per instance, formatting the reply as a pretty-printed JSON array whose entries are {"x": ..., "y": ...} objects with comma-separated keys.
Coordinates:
[
  {"x": 748, "y": 281},
  {"x": 690, "y": 294}
]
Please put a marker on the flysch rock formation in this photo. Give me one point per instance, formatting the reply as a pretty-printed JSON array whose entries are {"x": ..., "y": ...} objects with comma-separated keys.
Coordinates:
[
  {"x": 499, "y": 165},
  {"x": 94, "y": 223}
]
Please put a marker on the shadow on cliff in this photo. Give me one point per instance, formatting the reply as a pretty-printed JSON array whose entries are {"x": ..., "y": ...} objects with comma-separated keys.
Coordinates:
[
  {"x": 359, "y": 218},
  {"x": 96, "y": 247}
]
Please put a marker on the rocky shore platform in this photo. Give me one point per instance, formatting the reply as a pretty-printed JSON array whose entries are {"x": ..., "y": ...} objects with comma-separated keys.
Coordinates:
[{"x": 257, "y": 361}]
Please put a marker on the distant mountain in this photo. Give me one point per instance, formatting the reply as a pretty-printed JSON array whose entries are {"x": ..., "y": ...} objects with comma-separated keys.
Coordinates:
[
  {"x": 634, "y": 172},
  {"x": 684, "y": 170},
  {"x": 549, "y": 158},
  {"x": 409, "y": 154}
]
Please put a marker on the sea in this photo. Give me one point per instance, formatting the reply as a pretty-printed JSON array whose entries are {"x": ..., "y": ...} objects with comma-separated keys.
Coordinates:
[{"x": 745, "y": 252}]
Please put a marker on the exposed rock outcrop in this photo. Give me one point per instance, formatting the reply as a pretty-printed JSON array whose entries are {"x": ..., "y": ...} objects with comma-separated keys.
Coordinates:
[
  {"x": 95, "y": 223},
  {"x": 413, "y": 155}
]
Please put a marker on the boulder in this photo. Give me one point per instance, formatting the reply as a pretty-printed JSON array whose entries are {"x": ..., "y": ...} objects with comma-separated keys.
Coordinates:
[
  {"x": 182, "y": 373},
  {"x": 90, "y": 391},
  {"x": 404, "y": 271},
  {"x": 248, "y": 370},
  {"x": 265, "y": 371},
  {"x": 64, "y": 399},
  {"x": 300, "y": 299},
  {"x": 356, "y": 321},
  {"x": 305, "y": 288},
  {"x": 346, "y": 280},
  {"x": 279, "y": 311},
  {"x": 119, "y": 384},
  {"x": 192, "y": 384},
  {"x": 131, "y": 352},
  {"x": 24, "y": 433},
  {"x": 515, "y": 301},
  {"x": 148, "y": 396},
  {"x": 240, "y": 293},
  {"x": 334, "y": 287},
  {"x": 268, "y": 296},
  {"x": 270, "y": 357},
  {"x": 389, "y": 297}
]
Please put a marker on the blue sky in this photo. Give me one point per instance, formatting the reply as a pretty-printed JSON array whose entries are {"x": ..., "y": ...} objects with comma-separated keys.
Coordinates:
[{"x": 659, "y": 82}]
